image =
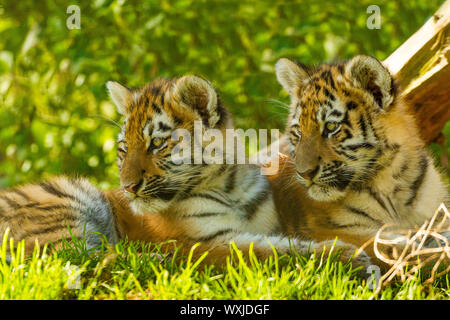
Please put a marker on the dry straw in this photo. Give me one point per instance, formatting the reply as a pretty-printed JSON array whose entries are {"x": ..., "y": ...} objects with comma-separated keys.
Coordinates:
[{"x": 407, "y": 251}]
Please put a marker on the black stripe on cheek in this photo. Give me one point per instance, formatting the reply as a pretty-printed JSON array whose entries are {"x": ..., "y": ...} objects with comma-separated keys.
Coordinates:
[
  {"x": 343, "y": 153},
  {"x": 364, "y": 145},
  {"x": 214, "y": 235},
  {"x": 343, "y": 179},
  {"x": 423, "y": 166},
  {"x": 165, "y": 195}
]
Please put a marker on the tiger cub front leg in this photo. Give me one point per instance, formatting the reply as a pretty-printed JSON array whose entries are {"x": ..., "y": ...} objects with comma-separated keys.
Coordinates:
[{"x": 263, "y": 248}]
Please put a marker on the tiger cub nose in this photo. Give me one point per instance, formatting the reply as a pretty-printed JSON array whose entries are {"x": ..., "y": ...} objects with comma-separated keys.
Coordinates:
[{"x": 133, "y": 187}]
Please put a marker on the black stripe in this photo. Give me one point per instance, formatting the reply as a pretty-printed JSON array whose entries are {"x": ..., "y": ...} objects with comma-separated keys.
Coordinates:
[
  {"x": 362, "y": 125},
  {"x": 47, "y": 230},
  {"x": 354, "y": 147},
  {"x": 203, "y": 215},
  {"x": 55, "y": 207},
  {"x": 346, "y": 121},
  {"x": 343, "y": 179},
  {"x": 348, "y": 135},
  {"x": 392, "y": 206},
  {"x": 156, "y": 108},
  {"x": 50, "y": 188},
  {"x": 57, "y": 218},
  {"x": 327, "y": 76},
  {"x": 163, "y": 127},
  {"x": 336, "y": 113},
  {"x": 363, "y": 213},
  {"x": 348, "y": 156},
  {"x": 377, "y": 198},
  {"x": 252, "y": 206},
  {"x": 403, "y": 169},
  {"x": 177, "y": 120},
  {"x": 328, "y": 94},
  {"x": 335, "y": 225},
  {"x": 213, "y": 235},
  {"x": 369, "y": 120},
  {"x": 165, "y": 194},
  {"x": 11, "y": 203},
  {"x": 155, "y": 89},
  {"x": 191, "y": 184},
  {"x": 351, "y": 105},
  {"x": 69, "y": 214},
  {"x": 423, "y": 166},
  {"x": 397, "y": 189},
  {"x": 209, "y": 197},
  {"x": 21, "y": 193},
  {"x": 229, "y": 186}
]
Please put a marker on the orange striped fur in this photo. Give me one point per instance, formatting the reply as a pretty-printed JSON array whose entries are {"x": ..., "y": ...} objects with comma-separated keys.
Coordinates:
[
  {"x": 160, "y": 200},
  {"x": 358, "y": 159}
]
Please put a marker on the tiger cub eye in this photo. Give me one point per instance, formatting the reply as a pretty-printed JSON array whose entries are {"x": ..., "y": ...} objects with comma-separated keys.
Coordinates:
[
  {"x": 122, "y": 147},
  {"x": 157, "y": 142},
  {"x": 331, "y": 126}
]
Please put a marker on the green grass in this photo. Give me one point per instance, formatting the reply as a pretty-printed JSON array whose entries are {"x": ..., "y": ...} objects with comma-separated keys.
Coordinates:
[{"x": 139, "y": 271}]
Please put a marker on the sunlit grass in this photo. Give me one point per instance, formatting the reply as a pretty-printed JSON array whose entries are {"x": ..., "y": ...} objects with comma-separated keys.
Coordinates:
[{"x": 142, "y": 271}]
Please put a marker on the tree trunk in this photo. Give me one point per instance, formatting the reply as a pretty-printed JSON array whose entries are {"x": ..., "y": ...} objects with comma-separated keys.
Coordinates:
[{"x": 421, "y": 66}]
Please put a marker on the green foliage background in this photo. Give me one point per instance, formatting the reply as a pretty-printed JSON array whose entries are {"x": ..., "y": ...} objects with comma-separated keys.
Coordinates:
[{"x": 54, "y": 108}]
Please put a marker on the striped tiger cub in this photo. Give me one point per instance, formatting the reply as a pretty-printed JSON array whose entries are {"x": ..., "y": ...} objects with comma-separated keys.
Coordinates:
[
  {"x": 357, "y": 152},
  {"x": 161, "y": 199}
]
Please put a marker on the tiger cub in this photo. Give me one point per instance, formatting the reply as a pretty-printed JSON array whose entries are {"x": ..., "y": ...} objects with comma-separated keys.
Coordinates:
[
  {"x": 357, "y": 152},
  {"x": 161, "y": 199}
]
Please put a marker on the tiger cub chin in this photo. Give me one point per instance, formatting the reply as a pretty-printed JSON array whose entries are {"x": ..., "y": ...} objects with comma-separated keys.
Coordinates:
[
  {"x": 357, "y": 152},
  {"x": 162, "y": 199}
]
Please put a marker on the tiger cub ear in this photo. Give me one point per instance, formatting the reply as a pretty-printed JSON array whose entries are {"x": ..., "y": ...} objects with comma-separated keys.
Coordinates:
[
  {"x": 290, "y": 75},
  {"x": 369, "y": 74},
  {"x": 199, "y": 95},
  {"x": 120, "y": 95}
]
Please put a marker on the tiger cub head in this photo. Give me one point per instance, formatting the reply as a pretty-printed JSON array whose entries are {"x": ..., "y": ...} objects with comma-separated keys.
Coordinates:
[
  {"x": 345, "y": 124},
  {"x": 152, "y": 114}
]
